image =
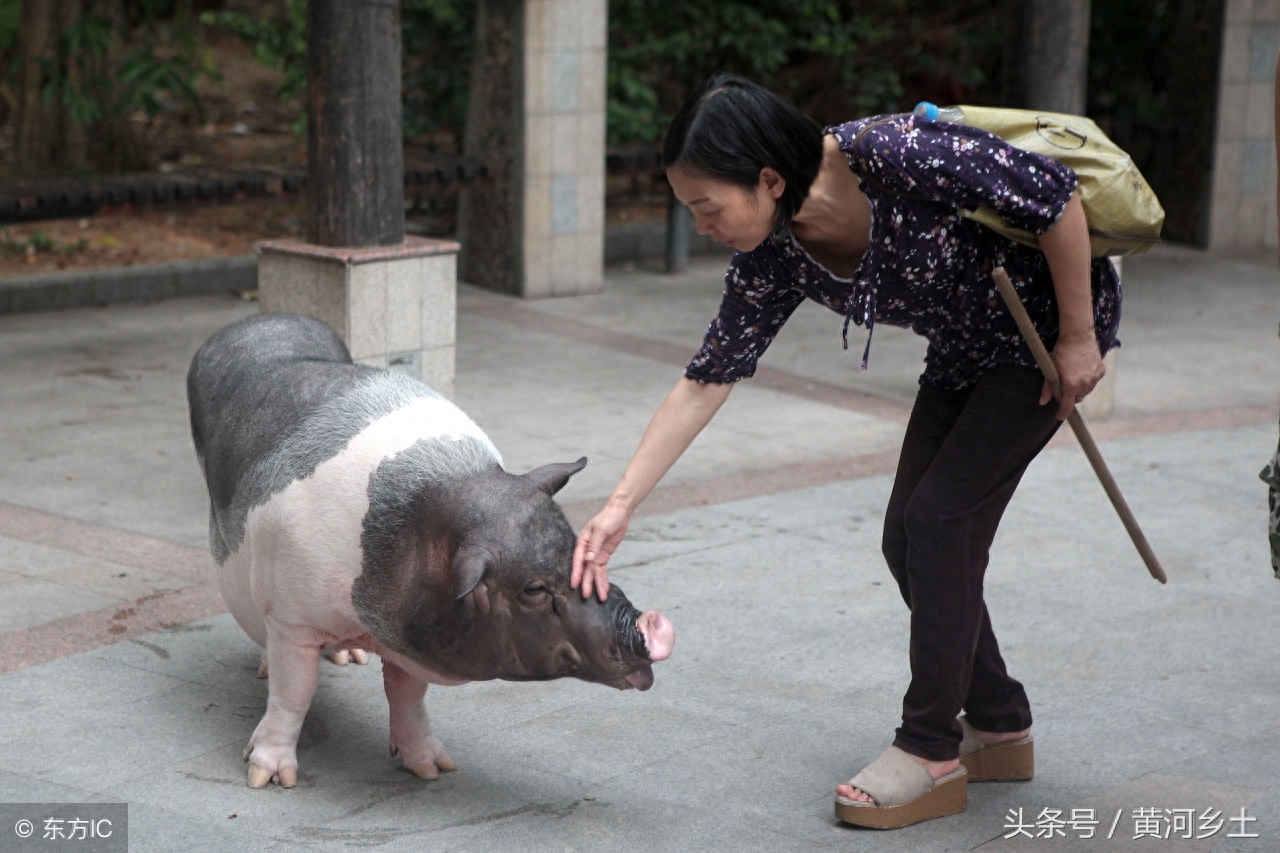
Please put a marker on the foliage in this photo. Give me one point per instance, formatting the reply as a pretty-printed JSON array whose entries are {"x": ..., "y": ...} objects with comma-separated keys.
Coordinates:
[
  {"x": 36, "y": 243},
  {"x": 279, "y": 41},
  {"x": 1152, "y": 86},
  {"x": 836, "y": 60},
  {"x": 159, "y": 63},
  {"x": 436, "y": 41},
  {"x": 10, "y": 17},
  {"x": 436, "y": 37}
]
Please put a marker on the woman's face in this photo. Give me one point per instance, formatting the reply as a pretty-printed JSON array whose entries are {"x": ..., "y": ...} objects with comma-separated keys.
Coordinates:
[{"x": 728, "y": 213}]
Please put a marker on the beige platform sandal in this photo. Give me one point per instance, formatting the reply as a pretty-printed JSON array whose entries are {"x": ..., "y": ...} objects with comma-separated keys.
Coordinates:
[
  {"x": 904, "y": 793},
  {"x": 1014, "y": 761}
]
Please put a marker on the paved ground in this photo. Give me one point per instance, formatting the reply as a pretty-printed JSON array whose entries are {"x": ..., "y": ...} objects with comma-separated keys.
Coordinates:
[{"x": 1158, "y": 707}]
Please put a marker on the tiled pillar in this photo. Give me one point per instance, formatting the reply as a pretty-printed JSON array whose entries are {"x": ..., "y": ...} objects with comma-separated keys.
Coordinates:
[
  {"x": 564, "y": 150},
  {"x": 394, "y": 306},
  {"x": 538, "y": 107},
  {"x": 1243, "y": 213}
]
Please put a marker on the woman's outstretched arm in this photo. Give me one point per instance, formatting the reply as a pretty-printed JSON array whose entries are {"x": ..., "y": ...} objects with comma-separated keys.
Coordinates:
[{"x": 686, "y": 410}]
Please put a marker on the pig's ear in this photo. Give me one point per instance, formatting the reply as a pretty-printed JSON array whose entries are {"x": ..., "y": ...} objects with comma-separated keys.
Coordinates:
[
  {"x": 551, "y": 478},
  {"x": 469, "y": 566}
]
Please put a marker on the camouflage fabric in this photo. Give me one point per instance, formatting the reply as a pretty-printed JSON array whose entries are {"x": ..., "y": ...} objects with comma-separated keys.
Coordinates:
[{"x": 1271, "y": 476}]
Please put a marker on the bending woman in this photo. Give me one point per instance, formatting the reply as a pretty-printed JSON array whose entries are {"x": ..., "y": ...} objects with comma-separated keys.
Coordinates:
[{"x": 864, "y": 218}]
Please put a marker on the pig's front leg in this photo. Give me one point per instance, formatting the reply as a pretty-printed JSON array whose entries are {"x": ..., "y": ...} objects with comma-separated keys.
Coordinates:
[
  {"x": 272, "y": 752},
  {"x": 421, "y": 752}
]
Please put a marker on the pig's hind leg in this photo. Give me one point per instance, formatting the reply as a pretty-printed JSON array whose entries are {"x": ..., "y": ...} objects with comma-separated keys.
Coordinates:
[
  {"x": 422, "y": 753},
  {"x": 342, "y": 657},
  {"x": 272, "y": 752}
]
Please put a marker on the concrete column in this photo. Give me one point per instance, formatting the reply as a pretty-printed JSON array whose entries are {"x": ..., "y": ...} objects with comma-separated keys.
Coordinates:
[
  {"x": 538, "y": 110},
  {"x": 1243, "y": 209},
  {"x": 394, "y": 306}
]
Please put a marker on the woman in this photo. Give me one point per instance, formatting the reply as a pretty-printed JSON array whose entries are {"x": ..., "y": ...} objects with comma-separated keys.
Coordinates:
[{"x": 864, "y": 218}]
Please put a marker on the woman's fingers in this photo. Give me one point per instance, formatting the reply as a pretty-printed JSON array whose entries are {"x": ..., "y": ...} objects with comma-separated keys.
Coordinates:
[
  {"x": 590, "y": 562},
  {"x": 596, "y": 544},
  {"x": 1046, "y": 393},
  {"x": 584, "y": 566},
  {"x": 1080, "y": 369}
]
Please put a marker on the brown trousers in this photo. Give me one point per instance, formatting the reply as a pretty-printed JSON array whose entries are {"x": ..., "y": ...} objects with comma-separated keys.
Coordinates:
[{"x": 962, "y": 457}]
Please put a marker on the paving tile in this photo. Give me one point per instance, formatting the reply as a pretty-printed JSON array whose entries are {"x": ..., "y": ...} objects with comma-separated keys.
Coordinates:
[
  {"x": 791, "y": 658},
  {"x": 33, "y": 602}
]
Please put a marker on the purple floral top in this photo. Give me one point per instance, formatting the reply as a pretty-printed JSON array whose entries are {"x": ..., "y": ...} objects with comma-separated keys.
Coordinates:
[{"x": 927, "y": 268}]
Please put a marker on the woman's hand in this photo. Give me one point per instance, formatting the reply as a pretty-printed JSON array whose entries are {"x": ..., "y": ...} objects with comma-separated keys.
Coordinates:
[
  {"x": 596, "y": 544},
  {"x": 1080, "y": 369},
  {"x": 686, "y": 410}
]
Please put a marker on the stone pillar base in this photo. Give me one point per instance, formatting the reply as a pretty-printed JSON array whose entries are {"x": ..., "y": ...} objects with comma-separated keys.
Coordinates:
[{"x": 394, "y": 306}]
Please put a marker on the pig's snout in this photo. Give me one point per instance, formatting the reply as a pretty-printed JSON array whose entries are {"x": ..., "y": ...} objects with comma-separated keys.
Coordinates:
[{"x": 659, "y": 635}]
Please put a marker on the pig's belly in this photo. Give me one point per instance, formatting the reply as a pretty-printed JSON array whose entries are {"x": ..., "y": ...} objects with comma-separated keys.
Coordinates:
[{"x": 301, "y": 550}]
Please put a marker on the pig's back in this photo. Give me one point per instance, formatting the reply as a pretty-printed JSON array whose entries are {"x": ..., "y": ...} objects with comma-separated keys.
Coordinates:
[
  {"x": 253, "y": 383},
  {"x": 272, "y": 397}
]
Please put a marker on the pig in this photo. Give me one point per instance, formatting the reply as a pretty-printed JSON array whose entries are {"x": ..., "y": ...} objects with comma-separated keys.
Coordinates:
[{"x": 354, "y": 509}]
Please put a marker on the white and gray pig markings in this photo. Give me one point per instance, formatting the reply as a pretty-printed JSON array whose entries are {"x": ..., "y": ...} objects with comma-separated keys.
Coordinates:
[{"x": 356, "y": 509}]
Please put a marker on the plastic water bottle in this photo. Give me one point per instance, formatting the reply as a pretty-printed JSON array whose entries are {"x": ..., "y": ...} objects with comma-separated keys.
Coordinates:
[{"x": 933, "y": 112}]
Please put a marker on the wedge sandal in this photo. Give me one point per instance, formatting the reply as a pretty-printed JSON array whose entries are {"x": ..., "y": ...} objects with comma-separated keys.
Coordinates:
[
  {"x": 1014, "y": 761},
  {"x": 904, "y": 793}
]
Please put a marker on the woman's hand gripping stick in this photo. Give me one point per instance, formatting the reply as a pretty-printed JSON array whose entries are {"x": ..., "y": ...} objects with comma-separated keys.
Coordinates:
[{"x": 1050, "y": 372}]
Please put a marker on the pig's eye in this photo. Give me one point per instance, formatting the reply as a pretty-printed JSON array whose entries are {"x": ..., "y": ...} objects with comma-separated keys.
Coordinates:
[{"x": 536, "y": 590}]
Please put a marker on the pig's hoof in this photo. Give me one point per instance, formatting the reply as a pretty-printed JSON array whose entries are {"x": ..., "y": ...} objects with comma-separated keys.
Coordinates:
[
  {"x": 259, "y": 777},
  {"x": 262, "y": 667},
  {"x": 425, "y": 770},
  {"x": 428, "y": 768},
  {"x": 359, "y": 656}
]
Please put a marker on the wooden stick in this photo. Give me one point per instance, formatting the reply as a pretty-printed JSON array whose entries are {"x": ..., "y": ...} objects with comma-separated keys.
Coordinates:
[{"x": 1077, "y": 423}]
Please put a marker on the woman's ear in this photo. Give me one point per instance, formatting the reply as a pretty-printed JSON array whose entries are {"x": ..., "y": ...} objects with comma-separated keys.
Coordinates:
[{"x": 772, "y": 183}]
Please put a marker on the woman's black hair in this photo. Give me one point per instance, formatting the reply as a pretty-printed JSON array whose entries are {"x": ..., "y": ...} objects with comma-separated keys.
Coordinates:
[{"x": 731, "y": 128}]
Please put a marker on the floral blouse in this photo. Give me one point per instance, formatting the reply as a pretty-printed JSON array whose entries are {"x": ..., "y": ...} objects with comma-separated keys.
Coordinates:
[{"x": 927, "y": 268}]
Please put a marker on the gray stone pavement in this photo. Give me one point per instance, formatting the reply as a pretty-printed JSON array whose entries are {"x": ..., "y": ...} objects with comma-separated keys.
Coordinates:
[{"x": 1157, "y": 707}]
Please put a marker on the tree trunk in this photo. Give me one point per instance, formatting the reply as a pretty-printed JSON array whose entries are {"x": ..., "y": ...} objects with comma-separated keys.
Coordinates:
[
  {"x": 113, "y": 144},
  {"x": 489, "y": 215},
  {"x": 35, "y": 132},
  {"x": 47, "y": 141},
  {"x": 355, "y": 147},
  {"x": 1047, "y": 56},
  {"x": 74, "y": 153}
]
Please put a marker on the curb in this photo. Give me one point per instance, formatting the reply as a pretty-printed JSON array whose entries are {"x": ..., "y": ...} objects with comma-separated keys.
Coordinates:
[
  {"x": 120, "y": 285},
  {"x": 212, "y": 276}
]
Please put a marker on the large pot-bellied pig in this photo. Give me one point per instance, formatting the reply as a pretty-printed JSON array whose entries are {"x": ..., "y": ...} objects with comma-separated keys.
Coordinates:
[{"x": 355, "y": 508}]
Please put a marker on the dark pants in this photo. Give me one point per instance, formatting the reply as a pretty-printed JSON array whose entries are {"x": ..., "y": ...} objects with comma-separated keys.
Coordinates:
[{"x": 962, "y": 457}]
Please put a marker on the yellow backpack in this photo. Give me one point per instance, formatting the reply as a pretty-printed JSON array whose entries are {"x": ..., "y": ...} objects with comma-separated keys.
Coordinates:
[{"x": 1123, "y": 213}]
